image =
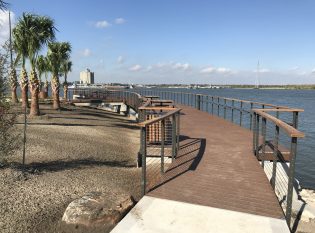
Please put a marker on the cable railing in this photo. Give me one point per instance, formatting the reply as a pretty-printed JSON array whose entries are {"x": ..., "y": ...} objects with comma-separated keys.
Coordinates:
[
  {"x": 274, "y": 130},
  {"x": 159, "y": 123},
  {"x": 269, "y": 145}
]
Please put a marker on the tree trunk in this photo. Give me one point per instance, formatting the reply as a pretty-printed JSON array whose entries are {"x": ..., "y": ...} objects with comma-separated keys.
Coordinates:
[
  {"x": 55, "y": 85},
  {"x": 34, "y": 93},
  {"x": 24, "y": 88},
  {"x": 14, "y": 96},
  {"x": 13, "y": 83},
  {"x": 65, "y": 92}
]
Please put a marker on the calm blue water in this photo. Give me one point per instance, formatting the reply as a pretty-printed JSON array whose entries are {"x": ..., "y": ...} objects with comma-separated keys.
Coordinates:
[{"x": 305, "y": 99}]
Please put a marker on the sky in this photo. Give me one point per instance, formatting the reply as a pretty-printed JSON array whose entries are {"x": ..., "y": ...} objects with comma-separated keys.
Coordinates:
[{"x": 183, "y": 41}]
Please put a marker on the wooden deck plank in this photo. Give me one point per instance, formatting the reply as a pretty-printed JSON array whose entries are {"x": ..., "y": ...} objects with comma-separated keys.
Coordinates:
[{"x": 215, "y": 167}]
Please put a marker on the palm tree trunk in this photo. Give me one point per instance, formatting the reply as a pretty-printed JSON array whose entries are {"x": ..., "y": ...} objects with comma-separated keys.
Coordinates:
[
  {"x": 55, "y": 85},
  {"x": 34, "y": 93},
  {"x": 13, "y": 83},
  {"x": 65, "y": 92},
  {"x": 24, "y": 88}
]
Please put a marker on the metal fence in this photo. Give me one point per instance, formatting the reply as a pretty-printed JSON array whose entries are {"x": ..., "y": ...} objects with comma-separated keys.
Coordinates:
[
  {"x": 274, "y": 130},
  {"x": 159, "y": 124}
]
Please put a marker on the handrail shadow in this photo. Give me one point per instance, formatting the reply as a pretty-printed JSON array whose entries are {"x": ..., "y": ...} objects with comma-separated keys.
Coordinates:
[{"x": 189, "y": 157}]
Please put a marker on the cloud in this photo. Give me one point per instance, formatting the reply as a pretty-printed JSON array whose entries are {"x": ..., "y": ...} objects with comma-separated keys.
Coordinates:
[
  {"x": 120, "y": 60},
  {"x": 102, "y": 24},
  {"x": 120, "y": 21},
  {"x": 135, "y": 68},
  {"x": 86, "y": 52},
  {"x": 4, "y": 25},
  {"x": 180, "y": 66},
  {"x": 222, "y": 70},
  {"x": 207, "y": 70},
  {"x": 219, "y": 70},
  {"x": 262, "y": 71}
]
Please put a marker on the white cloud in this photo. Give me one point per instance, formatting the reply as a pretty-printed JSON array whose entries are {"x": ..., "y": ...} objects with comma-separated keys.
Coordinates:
[
  {"x": 180, "y": 66},
  {"x": 102, "y": 24},
  {"x": 223, "y": 70},
  {"x": 120, "y": 21},
  {"x": 263, "y": 71},
  {"x": 219, "y": 70},
  {"x": 207, "y": 70},
  {"x": 120, "y": 60},
  {"x": 135, "y": 68},
  {"x": 4, "y": 25},
  {"x": 86, "y": 52}
]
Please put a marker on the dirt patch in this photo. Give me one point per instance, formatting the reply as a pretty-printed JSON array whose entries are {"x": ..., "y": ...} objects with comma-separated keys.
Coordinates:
[{"x": 69, "y": 153}]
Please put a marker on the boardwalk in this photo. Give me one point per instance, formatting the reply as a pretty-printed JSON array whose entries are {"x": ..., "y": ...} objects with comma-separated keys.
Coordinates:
[{"x": 216, "y": 167}]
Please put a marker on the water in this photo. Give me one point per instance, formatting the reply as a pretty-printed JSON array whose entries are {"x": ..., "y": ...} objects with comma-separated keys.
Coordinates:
[{"x": 305, "y": 99}]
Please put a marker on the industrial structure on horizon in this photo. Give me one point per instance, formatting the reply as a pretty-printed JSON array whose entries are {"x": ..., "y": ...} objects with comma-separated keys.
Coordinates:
[{"x": 86, "y": 77}]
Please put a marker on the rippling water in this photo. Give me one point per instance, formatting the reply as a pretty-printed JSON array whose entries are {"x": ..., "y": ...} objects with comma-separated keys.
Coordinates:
[{"x": 305, "y": 99}]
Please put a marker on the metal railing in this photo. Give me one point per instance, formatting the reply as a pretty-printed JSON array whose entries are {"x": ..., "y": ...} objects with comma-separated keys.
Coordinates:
[
  {"x": 159, "y": 140},
  {"x": 159, "y": 124},
  {"x": 254, "y": 116},
  {"x": 260, "y": 141}
]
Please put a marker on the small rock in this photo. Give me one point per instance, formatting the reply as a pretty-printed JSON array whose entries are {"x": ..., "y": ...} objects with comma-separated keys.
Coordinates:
[{"x": 95, "y": 209}]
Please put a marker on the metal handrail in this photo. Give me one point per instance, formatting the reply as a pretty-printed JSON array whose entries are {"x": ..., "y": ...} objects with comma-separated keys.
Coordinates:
[{"x": 154, "y": 120}]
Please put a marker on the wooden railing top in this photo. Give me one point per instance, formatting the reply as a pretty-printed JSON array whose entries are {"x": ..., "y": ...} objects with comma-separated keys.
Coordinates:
[
  {"x": 282, "y": 110},
  {"x": 157, "y": 108},
  {"x": 157, "y": 119},
  {"x": 291, "y": 131}
]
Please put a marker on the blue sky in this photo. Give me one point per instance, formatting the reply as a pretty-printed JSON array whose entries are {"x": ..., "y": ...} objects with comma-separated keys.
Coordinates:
[{"x": 171, "y": 41}]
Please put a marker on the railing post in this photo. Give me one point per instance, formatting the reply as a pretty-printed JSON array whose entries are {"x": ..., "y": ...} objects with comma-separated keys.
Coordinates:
[
  {"x": 257, "y": 135},
  {"x": 295, "y": 119},
  {"x": 143, "y": 154},
  {"x": 275, "y": 158},
  {"x": 241, "y": 113},
  {"x": 251, "y": 116},
  {"x": 207, "y": 104},
  {"x": 232, "y": 118},
  {"x": 198, "y": 101},
  {"x": 218, "y": 106},
  {"x": 177, "y": 133},
  {"x": 254, "y": 132},
  {"x": 212, "y": 105},
  {"x": 224, "y": 108},
  {"x": 173, "y": 137},
  {"x": 162, "y": 144},
  {"x": 263, "y": 132},
  {"x": 291, "y": 181}
]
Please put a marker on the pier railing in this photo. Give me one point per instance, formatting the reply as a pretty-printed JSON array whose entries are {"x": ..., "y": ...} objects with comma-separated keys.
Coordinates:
[
  {"x": 159, "y": 123},
  {"x": 159, "y": 142},
  {"x": 266, "y": 121},
  {"x": 283, "y": 185},
  {"x": 274, "y": 130}
]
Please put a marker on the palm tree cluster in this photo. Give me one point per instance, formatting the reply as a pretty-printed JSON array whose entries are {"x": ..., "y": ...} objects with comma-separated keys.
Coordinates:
[{"x": 30, "y": 35}]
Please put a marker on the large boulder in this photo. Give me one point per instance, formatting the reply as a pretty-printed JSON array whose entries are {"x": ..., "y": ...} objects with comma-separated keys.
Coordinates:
[{"x": 94, "y": 209}]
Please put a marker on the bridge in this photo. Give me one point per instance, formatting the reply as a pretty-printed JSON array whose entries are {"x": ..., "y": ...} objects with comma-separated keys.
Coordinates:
[{"x": 210, "y": 164}]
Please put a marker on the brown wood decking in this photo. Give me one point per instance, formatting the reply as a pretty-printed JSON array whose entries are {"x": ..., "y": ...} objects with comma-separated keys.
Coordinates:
[{"x": 216, "y": 167}]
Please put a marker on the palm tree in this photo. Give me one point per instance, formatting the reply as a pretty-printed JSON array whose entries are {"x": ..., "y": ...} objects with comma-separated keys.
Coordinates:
[
  {"x": 66, "y": 68},
  {"x": 41, "y": 68},
  {"x": 58, "y": 53},
  {"x": 20, "y": 45},
  {"x": 30, "y": 34},
  {"x": 13, "y": 83},
  {"x": 3, "y": 5},
  {"x": 41, "y": 34}
]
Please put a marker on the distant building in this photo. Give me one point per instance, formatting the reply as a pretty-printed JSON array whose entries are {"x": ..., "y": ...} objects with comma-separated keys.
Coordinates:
[{"x": 87, "y": 77}]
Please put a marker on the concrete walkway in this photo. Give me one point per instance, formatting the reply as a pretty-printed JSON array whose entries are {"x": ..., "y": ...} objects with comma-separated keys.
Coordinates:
[{"x": 155, "y": 215}]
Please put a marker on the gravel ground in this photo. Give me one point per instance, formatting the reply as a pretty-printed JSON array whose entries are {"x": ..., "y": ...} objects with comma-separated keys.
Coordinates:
[{"x": 69, "y": 153}]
